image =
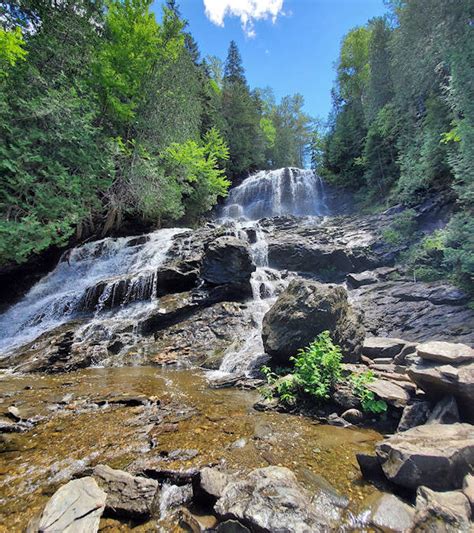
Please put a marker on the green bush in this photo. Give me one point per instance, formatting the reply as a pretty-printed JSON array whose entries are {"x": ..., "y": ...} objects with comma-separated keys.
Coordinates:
[
  {"x": 402, "y": 227},
  {"x": 367, "y": 398}
]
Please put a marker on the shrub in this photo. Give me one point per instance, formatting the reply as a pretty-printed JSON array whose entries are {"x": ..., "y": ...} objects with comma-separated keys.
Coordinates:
[
  {"x": 367, "y": 398},
  {"x": 402, "y": 227}
]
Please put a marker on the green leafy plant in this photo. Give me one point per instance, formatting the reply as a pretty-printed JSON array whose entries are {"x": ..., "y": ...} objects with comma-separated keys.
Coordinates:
[
  {"x": 367, "y": 398},
  {"x": 402, "y": 227}
]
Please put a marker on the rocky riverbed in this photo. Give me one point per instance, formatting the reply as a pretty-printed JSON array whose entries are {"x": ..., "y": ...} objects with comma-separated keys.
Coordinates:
[{"x": 131, "y": 373}]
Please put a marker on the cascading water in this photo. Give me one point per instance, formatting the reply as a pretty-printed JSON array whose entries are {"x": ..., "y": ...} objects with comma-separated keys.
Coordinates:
[
  {"x": 286, "y": 191},
  {"x": 87, "y": 280}
]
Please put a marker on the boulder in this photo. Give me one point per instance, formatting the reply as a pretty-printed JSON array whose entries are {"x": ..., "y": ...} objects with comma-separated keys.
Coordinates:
[
  {"x": 227, "y": 261},
  {"x": 370, "y": 468},
  {"x": 445, "y": 412},
  {"x": 438, "y": 380},
  {"x": 302, "y": 312},
  {"x": 363, "y": 278},
  {"x": 468, "y": 489},
  {"x": 447, "y": 512},
  {"x": 445, "y": 352},
  {"x": 435, "y": 455},
  {"x": 414, "y": 415},
  {"x": 353, "y": 416},
  {"x": 389, "y": 513},
  {"x": 127, "y": 495},
  {"x": 209, "y": 486},
  {"x": 76, "y": 508},
  {"x": 270, "y": 499},
  {"x": 386, "y": 347},
  {"x": 389, "y": 391}
]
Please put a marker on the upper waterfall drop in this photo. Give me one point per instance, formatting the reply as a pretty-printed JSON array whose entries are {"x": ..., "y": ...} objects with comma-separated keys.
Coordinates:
[{"x": 286, "y": 191}]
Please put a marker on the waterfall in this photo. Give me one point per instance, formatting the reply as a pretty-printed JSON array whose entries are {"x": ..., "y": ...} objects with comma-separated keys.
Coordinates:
[
  {"x": 88, "y": 280},
  {"x": 286, "y": 191}
]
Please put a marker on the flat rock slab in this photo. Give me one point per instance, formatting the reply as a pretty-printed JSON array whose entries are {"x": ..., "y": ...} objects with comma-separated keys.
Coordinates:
[
  {"x": 375, "y": 347},
  {"x": 438, "y": 456},
  {"x": 75, "y": 508},
  {"x": 389, "y": 513},
  {"x": 390, "y": 392},
  {"x": 446, "y": 352},
  {"x": 127, "y": 495}
]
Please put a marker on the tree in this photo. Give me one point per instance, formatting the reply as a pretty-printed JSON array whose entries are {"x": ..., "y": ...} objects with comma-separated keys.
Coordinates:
[{"x": 233, "y": 69}]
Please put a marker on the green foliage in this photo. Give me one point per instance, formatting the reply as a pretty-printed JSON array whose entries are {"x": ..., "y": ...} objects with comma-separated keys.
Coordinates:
[
  {"x": 367, "y": 398},
  {"x": 402, "y": 228},
  {"x": 11, "y": 49}
]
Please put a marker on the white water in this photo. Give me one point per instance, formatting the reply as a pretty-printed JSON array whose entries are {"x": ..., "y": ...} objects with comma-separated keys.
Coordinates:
[
  {"x": 284, "y": 191},
  {"x": 57, "y": 297}
]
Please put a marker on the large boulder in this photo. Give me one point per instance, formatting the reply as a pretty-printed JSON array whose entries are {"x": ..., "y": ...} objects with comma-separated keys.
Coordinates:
[
  {"x": 227, "y": 260},
  {"x": 76, "y": 508},
  {"x": 435, "y": 455},
  {"x": 302, "y": 312},
  {"x": 271, "y": 499},
  {"x": 127, "y": 495},
  {"x": 445, "y": 352},
  {"x": 386, "y": 512}
]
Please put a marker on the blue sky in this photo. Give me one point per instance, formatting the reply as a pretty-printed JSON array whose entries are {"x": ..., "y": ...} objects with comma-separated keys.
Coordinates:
[{"x": 296, "y": 53}]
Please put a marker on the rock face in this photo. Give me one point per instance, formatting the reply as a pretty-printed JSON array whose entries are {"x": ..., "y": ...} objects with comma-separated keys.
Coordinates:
[
  {"x": 76, "y": 508},
  {"x": 302, "y": 312},
  {"x": 227, "y": 261},
  {"x": 127, "y": 495},
  {"x": 435, "y": 455},
  {"x": 414, "y": 415},
  {"x": 389, "y": 513},
  {"x": 375, "y": 347},
  {"x": 270, "y": 499}
]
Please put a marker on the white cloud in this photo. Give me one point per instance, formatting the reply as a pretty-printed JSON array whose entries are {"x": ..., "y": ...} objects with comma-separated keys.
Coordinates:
[{"x": 247, "y": 10}]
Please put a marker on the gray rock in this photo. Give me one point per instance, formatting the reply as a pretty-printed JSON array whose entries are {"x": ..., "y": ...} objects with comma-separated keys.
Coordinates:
[
  {"x": 445, "y": 412},
  {"x": 436, "y": 455},
  {"x": 375, "y": 347},
  {"x": 445, "y": 352},
  {"x": 127, "y": 495},
  {"x": 232, "y": 526},
  {"x": 414, "y": 415},
  {"x": 76, "y": 508},
  {"x": 440, "y": 380},
  {"x": 389, "y": 513},
  {"x": 209, "y": 486},
  {"x": 302, "y": 312},
  {"x": 270, "y": 499},
  {"x": 370, "y": 467},
  {"x": 363, "y": 278},
  {"x": 227, "y": 260},
  {"x": 354, "y": 416},
  {"x": 390, "y": 392},
  {"x": 468, "y": 489},
  {"x": 448, "y": 512}
]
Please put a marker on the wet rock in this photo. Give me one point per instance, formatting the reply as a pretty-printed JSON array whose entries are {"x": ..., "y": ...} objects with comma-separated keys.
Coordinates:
[
  {"x": 76, "y": 507},
  {"x": 389, "y": 513},
  {"x": 232, "y": 526},
  {"x": 363, "y": 278},
  {"x": 376, "y": 347},
  {"x": 439, "y": 380},
  {"x": 445, "y": 352},
  {"x": 14, "y": 413},
  {"x": 270, "y": 499},
  {"x": 353, "y": 416},
  {"x": 435, "y": 455},
  {"x": 306, "y": 309},
  {"x": 414, "y": 415},
  {"x": 445, "y": 412},
  {"x": 209, "y": 485},
  {"x": 447, "y": 512},
  {"x": 127, "y": 495},
  {"x": 227, "y": 261},
  {"x": 9, "y": 426},
  {"x": 197, "y": 523},
  {"x": 152, "y": 467}
]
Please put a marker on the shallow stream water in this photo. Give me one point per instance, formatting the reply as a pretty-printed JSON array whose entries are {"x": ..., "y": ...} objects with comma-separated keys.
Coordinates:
[{"x": 205, "y": 425}]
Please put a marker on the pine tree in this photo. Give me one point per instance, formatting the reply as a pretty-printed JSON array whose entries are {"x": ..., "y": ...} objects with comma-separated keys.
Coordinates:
[{"x": 233, "y": 69}]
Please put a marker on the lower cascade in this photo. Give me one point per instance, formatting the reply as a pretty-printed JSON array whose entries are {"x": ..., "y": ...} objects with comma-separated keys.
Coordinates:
[{"x": 134, "y": 392}]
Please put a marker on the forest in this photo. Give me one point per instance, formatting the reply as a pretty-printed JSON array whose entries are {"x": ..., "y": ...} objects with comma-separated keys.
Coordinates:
[{"x": 110, "y": 115}]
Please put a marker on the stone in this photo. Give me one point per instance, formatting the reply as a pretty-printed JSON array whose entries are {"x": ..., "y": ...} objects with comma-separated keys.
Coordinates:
[
  {"x": 445, "y": 411},
  {"x": 370, "y": 468},
  {"x": 232, "y": 526},
  {"x": 127, "y": 495},
  {"x": 353, "y": 416},
  {"x": 389, "y": 513},
  {"x": 445, "y": 352},
  {"x": 227, "y": 260},
  {"x": 375, "y": 347},
  {"x": 209, "y": 486},
  {"x": 468, "y": 489},
  {"x": 390, "y": 392},
  {"x": 363, "y": 278},
  {"x": 303, "y": 311},
  {"x": 441, "y": 380},
  {"x": 448, "y": 512},
  {"x": 270, "y": 499},
  {"x": 435, "y": 455},
  {"x": 76, "y": 508},
  {"x": 414, "y": 415},
  {"x": 14, "y": 412}
]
